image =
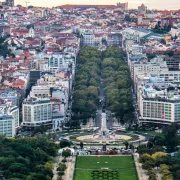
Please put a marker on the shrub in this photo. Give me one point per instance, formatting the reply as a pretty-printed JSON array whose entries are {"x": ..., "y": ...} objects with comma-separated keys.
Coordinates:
[
  {"x": 158, "y": 154},
  {"x": 59, "y": 178},
  {"x": 61, "y": 167},
  {"x": 148, "y": 165},
  {"x": 61, "y": 173},
  {"x": 166, "y": 174},
  {"x": 152, "y": 175},
  {"x": 64, "y": 160},
  {"x": 146, "y": 157}
]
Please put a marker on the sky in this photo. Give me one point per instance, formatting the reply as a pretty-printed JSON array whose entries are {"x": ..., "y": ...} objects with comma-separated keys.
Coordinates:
[{"x": 151, "y": 4}]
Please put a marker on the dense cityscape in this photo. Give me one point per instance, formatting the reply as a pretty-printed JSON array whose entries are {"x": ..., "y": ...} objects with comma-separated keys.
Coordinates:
[{"x": 89, "y": 92}]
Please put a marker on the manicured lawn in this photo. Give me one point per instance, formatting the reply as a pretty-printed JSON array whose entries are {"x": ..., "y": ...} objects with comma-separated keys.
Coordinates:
[{"x": 123, "y": 164}]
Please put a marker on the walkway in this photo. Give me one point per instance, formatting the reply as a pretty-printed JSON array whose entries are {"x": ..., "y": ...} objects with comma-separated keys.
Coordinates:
[
  {"x": 141, "y": 172},
  {"x": 69, "y": 173},
  {"x": 58, "y": 159}
]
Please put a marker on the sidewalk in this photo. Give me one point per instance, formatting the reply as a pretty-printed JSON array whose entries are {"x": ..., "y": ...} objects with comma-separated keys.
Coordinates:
[
  {"x": 58, "y": 159},
  {"x": 141, "y": 172},
  {"x": 69, "y": 173}
]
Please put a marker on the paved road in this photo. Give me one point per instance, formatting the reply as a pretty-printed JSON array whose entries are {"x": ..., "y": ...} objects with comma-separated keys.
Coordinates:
[{"x": 102, "y": 108}]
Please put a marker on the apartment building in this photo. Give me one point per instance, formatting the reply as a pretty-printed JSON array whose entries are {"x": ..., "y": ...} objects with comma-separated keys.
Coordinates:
[
  {"x": 155, "y": 67},
  {"x": 9, "y": 119},
  {"x": 89, "y": 38},
  {"x": 36, "y": 111},
  {"x": 159, "y": 104},
  {"x": 40, "y": 91},
  {"x": 14, "y": 112},
  {"x": 7, "y": 125},
  {"x": 114, "y": 39}
]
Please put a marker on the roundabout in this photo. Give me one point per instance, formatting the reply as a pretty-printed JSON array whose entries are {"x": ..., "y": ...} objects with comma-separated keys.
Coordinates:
[
  {"x": 98, "y": 139},
  {"x": 104, "y": 135},
  {"x": 113, "y": 138}
]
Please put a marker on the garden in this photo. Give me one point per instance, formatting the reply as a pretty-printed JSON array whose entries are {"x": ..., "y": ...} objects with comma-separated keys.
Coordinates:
[
  {"x": 105, "y": 167},
  {"x": 105, "y": 174}
]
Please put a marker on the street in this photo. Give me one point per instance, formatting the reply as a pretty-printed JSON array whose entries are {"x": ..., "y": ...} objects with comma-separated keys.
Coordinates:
[{"x": 102, "y": 107}]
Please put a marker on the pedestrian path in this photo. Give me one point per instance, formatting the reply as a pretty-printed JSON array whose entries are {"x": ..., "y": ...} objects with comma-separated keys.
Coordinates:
[
  {"x": 69, "y": 173},
  {"x": 58, "y": 159},
  {"x": 141, "y": 172}
]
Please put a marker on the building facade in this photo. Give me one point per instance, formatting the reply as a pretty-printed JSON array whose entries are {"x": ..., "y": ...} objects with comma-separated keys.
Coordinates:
[
  {"x": 36, "y": 112},
  {"x": 7, "y": 125},
  {"x": 158, "y": 105},
  {"x": 89, "y": 38},
  {"x": 40, "y": 91},
  {"x": 114, "y": 39}
]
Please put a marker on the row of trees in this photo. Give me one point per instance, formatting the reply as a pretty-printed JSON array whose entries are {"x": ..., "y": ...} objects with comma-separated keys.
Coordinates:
[
  {"x": 118, "y": 84},
  {"x": 86, "y": 92},
  {"x": 117, "y": 80},
  {"x": 27, "y": 158}
]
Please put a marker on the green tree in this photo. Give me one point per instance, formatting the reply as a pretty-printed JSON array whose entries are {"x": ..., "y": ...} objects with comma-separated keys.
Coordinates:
[
  {"x": 170, "y": 135},
  {"x": 66, "y": 153},
  {"x": 64, "y": 143},
  {"x": 163, "y": 41},
  {"x": 81, "y": 145},
  {"x": 126, "y": 144}
]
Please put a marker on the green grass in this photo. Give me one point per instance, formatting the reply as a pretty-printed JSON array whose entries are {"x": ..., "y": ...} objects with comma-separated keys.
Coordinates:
[{"x": 86, "y": 164}]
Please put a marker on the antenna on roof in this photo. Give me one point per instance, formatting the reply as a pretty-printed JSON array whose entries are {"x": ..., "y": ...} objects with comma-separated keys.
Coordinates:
[{"x": 27, "y": 2}]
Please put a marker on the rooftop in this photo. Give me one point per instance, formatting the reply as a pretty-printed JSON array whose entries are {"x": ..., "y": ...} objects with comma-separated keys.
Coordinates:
[{"x": 161, "y": 92}]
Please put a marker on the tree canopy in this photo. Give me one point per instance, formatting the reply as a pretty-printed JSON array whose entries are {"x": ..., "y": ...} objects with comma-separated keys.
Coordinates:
[
  {"x": 86, "y": 92},
  {"x": 112, "y": 68},
  {"x": 118, "y": 84},
  {"x": 27, "y": 158}
]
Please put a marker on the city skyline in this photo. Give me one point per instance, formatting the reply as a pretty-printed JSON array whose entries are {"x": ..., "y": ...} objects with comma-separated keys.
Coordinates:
[{"x": 151, "y": 4}]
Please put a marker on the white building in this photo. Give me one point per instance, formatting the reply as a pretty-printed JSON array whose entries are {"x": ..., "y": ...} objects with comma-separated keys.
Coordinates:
[
  {"x": 155, "y": 67},
  {"x": 54, "y": 62},
  {"x": 36, "y": 111},
  {"x": 159, "y": 104},
  {"x": 89, "y": 38},
  {"x": 59, "y": 103},
  {"x": 7, "y": 125},
  {"x": 12, "y": 114},
  {"x": 40, "y": 91}
]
